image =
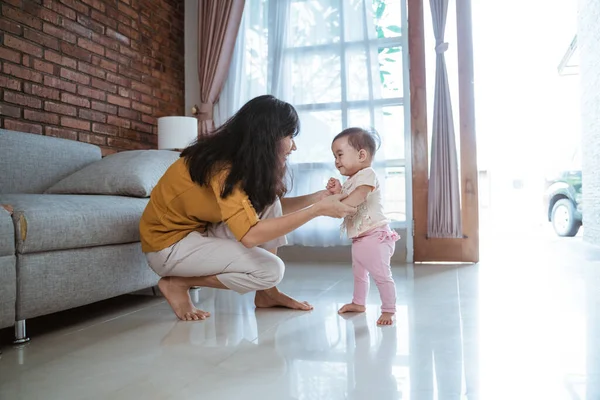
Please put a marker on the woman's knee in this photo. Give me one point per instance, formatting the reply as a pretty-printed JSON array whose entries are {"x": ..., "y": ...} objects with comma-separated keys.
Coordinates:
[{"x": 272, "y": 269}]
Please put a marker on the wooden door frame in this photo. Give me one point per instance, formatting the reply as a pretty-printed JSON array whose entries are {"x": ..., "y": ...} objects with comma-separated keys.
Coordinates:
[{"x": 442, "y": 249}]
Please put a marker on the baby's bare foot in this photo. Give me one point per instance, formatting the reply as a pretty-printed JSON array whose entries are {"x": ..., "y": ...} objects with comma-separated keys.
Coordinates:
[
  {"x": 386, "y": 318},
  {"x": 351, "y": 307}
]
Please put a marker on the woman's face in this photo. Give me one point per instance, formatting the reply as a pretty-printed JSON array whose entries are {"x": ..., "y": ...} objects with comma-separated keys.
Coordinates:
[{"x": 287, "y": 146}]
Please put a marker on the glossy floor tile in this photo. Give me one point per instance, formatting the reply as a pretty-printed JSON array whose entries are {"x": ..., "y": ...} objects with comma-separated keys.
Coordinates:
[{"x": 523, "y": 324}]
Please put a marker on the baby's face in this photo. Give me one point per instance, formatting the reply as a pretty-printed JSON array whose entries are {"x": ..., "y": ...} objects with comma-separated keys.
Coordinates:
[{"x": 347, "y": 158}]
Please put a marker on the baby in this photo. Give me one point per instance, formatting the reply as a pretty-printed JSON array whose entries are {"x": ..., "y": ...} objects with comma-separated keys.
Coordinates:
[{"x": 373, "y": 242}]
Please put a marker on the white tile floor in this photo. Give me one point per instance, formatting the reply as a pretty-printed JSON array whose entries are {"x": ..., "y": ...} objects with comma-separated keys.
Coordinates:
[{"x": 517, "y": 326}]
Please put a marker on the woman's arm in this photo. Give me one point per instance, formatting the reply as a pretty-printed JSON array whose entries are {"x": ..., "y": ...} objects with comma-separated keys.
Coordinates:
[
  {"x": 272, "y": 228},
  {"x": 293, "y": 204}
]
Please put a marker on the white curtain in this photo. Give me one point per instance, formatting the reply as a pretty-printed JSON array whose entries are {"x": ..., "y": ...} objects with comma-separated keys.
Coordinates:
[{"x": 324, "y": 58}]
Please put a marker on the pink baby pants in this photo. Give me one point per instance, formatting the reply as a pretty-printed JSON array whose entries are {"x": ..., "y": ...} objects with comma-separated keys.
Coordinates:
[{"x": 371, "y": 254}]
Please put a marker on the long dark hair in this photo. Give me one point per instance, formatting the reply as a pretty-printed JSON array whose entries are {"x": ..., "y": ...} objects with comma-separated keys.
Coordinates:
[{"x": 248, "y": 144}]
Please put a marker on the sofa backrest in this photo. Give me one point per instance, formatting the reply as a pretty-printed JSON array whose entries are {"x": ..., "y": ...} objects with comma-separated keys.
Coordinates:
[{"x": 31, "y": 163}]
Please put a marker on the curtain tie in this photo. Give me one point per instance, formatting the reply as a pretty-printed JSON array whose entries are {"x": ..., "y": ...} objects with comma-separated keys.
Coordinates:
[
  {"x": 204, "y": 112},
  {"x": 441, "y": 48}
]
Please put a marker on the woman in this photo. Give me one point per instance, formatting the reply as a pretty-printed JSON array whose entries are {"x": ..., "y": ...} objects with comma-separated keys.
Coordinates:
[{"x": 221, "y": 200}]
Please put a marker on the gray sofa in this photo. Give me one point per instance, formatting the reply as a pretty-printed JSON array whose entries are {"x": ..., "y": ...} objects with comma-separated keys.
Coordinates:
[{"x": 59, "y": 251}]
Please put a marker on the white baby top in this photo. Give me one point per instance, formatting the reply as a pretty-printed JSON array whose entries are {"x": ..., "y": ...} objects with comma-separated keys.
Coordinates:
[{"x": 370, "y": 213}]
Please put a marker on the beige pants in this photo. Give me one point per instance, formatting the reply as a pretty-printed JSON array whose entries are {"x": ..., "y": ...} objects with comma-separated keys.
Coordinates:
[{"x": 217, "y": 252}]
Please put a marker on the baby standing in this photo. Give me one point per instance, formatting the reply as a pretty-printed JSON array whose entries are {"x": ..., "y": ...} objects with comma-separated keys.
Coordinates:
[{"x": 373, "y": 242}]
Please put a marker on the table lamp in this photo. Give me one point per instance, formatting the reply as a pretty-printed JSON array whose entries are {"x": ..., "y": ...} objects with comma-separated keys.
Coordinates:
[{"x": 176, "y": 133}]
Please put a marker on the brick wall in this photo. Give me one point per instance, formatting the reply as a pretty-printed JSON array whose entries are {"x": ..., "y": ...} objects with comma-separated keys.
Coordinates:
[
  {"x": 97, "y": 71},
  {"x": 589, "y": 51}
]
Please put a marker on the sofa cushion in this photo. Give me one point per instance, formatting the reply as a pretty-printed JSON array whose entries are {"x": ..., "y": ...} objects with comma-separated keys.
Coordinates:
[
  {"x": 32, "y": 163},
  {"x": 7, "y": 234},
  {"x": 46, "y": 222},
  {"x": 129, "y": 173}
]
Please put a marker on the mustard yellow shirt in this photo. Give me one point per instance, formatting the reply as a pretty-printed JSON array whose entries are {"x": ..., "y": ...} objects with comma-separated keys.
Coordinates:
[{"x": 179, "y": 206}]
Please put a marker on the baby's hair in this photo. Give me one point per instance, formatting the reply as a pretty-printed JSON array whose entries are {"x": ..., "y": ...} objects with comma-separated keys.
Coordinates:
[{"x": 360, "y": 138}]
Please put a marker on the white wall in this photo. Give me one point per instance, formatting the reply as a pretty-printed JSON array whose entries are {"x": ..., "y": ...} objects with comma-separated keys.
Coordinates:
[{"x": 192, "y": 85}]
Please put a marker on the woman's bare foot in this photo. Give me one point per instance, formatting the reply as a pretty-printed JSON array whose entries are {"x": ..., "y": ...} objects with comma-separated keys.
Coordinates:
[
  {"x": 351, "y": 307},
  {"x": 274, "y": 298},
  {"x": 176, "y": 291},
  {"x": 386, "y": 318}
]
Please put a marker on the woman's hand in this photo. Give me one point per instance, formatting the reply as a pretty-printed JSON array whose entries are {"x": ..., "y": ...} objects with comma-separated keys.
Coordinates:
[
  {"x": 333, "y": 207},
  {"x": 334, "y": 186}
]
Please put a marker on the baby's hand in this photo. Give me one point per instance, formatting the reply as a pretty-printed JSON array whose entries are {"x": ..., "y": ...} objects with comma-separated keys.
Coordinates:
[{"x": 334, "y": 186}]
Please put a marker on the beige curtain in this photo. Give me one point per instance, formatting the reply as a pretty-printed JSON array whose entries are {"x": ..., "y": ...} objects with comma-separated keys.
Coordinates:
[
  {"x": 444, "y": 216},
  {"x": 218, "y": 25}
]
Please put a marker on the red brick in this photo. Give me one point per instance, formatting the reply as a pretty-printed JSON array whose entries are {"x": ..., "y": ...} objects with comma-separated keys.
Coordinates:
[
  {"x": 19, "y": 126},
  {"x": 23, "y": 46},
  {"x": 45, "y": 14},
  {"x": 91, "y": 46},
  {"x": 20, "y": 72},
  {"x": 118, "y": 80},
  {"x": 127, "y": 52},
  {"x": 141, "y": 87},
  {"x": 75, "y": 51},
  {"x": 137, "y": 96},
  {"x": 149, "y": 100},
  {"x": 10, "y": 55},
  {"x": 60, "y": 108},
  {"x": 103, "y": 19},
  {"x": 124, "y": 92},
  {"x": 77, "y": 6},
  {"x": 130, "y": 134},
  {"x": 21, "y": 99},
  {"x": 56, "y": 58},
  {"x": 127, "y": 10},
  {"x": 10, "y": 111},
  {"x": 43, "y": 117},
  {"x": 141, "y": 107},
  {"x": 10, "y": 26},
  {"x": 74, "y": 76},
  {"x": 16, "y": 3},
  {"x": 89, "y": 23},
  {"x": 105, "y": 41},
  {"x": 61, "y": 133},
  {"x": 60, "y": 9},
  {"x": 75, "y": 100},
  {"x": 42, "y": 91},
  {"x": 141, "y": 127},
  {"x": 10, "y": 83},
  {"x": 74, "y": 27},
  {"x": 105, "y": 129},
  {"x": 97, "y": 4},
  {"x": 149, "y": 119},
  {"x": 105, "y": 64},
  {"x": 91, "y": 70},
  {"x": 60, "y": 84},
  {"x": 43, "y": 66},
  {"x": 102, "y": 85},
  {"x": 138, "y": 66},
  {"x": 124, "y": 123},
  {"x": 120, "y": 101},
  {"x": 91, "y": 138},
  {"x": 92, "y": 115},
  {"x": 106, "y": 108},
  {"x": 40, "y": 38},
  {"x": 107, "y": 151},
  {"x": 130, "y": 114},
  {"x": 22, "y": 17},
  {"x": 91, "y": 93},
  {"x": 113, "y": 55},
  {"x": 26, "y": 60},
  {"x": 126, "y": 144},
  {"x": 75, "y": 123},
  {"x": 59, "y": 33},
  {"x": 117, "y": 36}
]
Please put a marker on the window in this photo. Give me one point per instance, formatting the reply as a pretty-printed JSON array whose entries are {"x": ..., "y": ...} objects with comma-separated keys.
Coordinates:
[{"x": 341, "y": 63}]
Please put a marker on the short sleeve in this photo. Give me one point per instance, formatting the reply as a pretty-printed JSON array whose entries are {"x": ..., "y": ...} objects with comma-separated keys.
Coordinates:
[
  {"x": 365, "y": 177},
  {"x": 236, "y": 209}
]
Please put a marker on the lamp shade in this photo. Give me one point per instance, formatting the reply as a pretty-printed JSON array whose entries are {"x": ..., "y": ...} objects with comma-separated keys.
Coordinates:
[{"x": 176, "y": 132}]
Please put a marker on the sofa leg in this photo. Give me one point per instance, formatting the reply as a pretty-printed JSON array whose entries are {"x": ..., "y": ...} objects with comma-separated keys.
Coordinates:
[{"x": 20, "y": 332}]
